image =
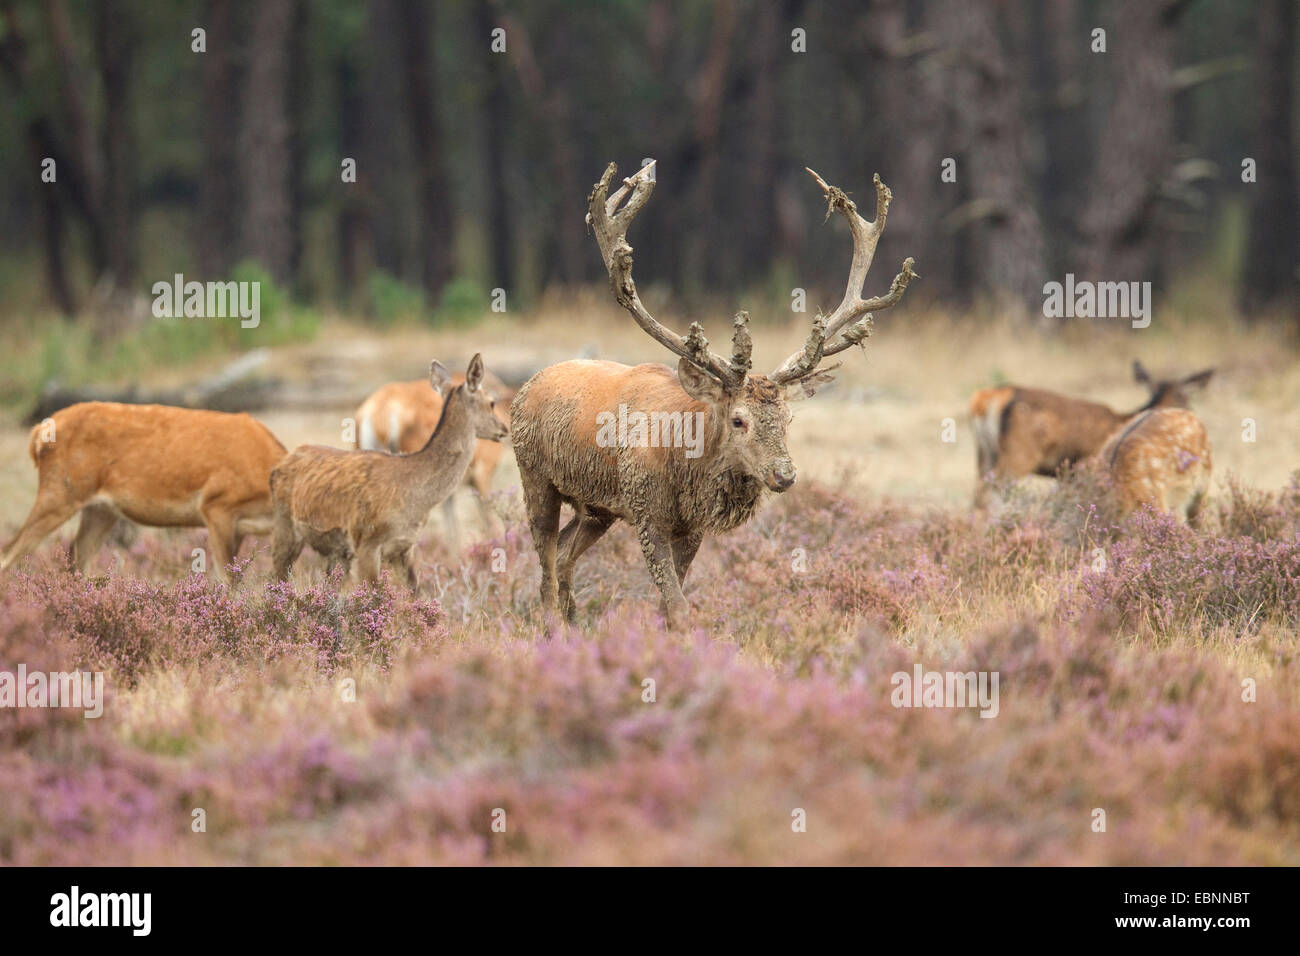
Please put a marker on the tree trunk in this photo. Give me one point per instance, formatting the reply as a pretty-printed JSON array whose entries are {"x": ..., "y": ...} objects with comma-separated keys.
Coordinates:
[
  {"x": 218, "y": 232},
  {"x": 83, "y": 152},
  {"x": 115, "y": 43},
  {"x": 1002, "y": 218},
  {"x": 763, "y": 169},
  {"x": 708, "y": 91},
  {"x": 264, "y": 141},
  {"x": 354, "y": 212},
  {"x": 383, "y": 166},
  {"x": 1121, "y": 223},
  {"x": 419, "y": 88},
  {"x": 1057, "y": 51},
  {"x": 496, "y": 146},
  {"x": 1271, "y": 277},
  {"x": 51, "y": 229},
  {"x": 297, "y": 106}
]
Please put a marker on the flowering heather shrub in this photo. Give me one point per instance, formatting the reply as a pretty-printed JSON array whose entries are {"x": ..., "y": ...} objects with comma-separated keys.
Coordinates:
[
  {"x": 469, "y": 701},
  {"x": 1164, "y": 575},
  {"x": 126, "y": 625},
  {"x": 1259, "y": 514}
]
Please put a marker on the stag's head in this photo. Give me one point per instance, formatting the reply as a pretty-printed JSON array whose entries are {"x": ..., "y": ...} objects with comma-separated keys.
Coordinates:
[
  {"x": 749, "y": 421},
  {"x": 750, "y": 411}
]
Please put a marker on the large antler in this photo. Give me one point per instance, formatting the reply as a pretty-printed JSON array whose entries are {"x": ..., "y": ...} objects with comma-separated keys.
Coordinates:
[
  {"x": 610, "y": 226},
  {"x": 851, "y": 320}
]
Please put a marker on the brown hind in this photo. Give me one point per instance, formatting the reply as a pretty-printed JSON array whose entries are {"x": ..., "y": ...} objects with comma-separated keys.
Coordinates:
[
  {"x": 399, "y": 417},
  {"x": 1030, "y": 431},
  {"x": 155, "y": 465}
]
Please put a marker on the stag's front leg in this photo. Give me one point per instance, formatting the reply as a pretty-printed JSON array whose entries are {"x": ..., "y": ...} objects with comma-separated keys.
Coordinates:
[
  {"x": 684, "y": 548},
  {"x": 658, "y": 550}
]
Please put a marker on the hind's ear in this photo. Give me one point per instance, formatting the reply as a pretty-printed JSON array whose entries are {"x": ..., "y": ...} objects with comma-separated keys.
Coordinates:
[
  {"x": 474, "y": 374},
  {"x": 439, "y": 377},
  {"x": 1140, "y": 374},
  {"x": 1199, "y": 379}
]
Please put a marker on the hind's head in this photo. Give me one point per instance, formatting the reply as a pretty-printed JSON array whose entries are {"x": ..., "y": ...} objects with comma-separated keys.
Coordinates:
[
  {"x": 477, "y": 401},
  {"x": 1171, "y": 392}
]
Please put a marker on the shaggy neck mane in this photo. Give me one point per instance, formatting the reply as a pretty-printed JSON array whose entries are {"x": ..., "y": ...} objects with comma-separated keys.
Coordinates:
[{"x": 724, "y": 498}]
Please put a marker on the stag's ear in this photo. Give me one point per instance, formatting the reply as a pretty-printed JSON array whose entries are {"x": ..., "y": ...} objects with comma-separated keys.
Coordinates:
[
  {"x": 1200, "y": 379},
  {"x": 474, "y": 374},
  {"x": 1140, "y": 374},
  {"x": 438, "y": 376},
  {"x": 698, "y": 384},
  {"x": 808, "y": 387}
]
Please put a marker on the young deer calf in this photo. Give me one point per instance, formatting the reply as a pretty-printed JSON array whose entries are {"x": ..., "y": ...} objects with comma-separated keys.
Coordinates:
[
  {"x": 370, "y": 505},
  {"x": 153, "y": 464},
  {"x": 400, "y": 417},
  {"x": 1030, "y": 431},
  {"x": 1160, "y": 458}
]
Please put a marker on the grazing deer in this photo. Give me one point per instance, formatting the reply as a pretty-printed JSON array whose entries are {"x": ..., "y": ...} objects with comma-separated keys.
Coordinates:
[
  {"x": 155, "y": 465},
  {"x": 1160, "y": 458},
  {"x": 370, "y": 505},
  {"x": 1029, "y": 431},
  {"x": 400, "y": 417},
  {"x": 568, "y": 451}
]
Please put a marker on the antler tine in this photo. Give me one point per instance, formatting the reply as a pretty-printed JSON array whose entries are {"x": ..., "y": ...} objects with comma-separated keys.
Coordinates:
[
  {"x": 742, "y": 346},
  {"x": 851, "y": 320},
  {"x": 610, "y": 225}
]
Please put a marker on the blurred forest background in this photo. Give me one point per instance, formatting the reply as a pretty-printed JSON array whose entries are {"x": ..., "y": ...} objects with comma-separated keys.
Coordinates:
[{"x": 473, "y": 164}]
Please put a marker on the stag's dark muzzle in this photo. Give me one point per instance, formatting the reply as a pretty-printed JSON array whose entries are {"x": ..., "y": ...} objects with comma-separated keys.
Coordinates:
[{"x": 781, "y": 476}]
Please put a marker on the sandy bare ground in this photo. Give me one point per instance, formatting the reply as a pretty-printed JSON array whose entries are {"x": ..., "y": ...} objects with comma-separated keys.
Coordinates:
[{"x": 878, "y": 432}]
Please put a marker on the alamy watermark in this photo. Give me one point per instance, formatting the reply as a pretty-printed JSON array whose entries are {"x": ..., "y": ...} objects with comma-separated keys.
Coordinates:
[
  {"x": 211, "y": 300},
  {"x": 130, "y": 910},
  {"x": 923, "y": 688},
  {"x": 635, "y": 429},
  {"x": 1099, "y": 300},
  {"x": 81, "y": 690}
]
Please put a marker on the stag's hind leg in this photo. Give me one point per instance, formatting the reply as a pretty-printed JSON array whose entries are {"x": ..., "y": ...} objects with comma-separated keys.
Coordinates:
[
  {"x": 543, "y": 503},
  {"x": 578, "y": 535}
]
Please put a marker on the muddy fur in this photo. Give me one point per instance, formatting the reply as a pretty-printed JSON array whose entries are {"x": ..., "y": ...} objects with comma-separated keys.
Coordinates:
[{"x": 671, "y": 499}]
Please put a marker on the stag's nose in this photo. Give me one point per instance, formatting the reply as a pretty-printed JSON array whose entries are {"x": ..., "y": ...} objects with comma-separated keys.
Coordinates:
[{"x": 782, "y": 476}]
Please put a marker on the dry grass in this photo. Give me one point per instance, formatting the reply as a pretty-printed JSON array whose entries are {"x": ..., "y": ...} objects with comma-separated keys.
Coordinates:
[{"x": 1120, "y": 690}]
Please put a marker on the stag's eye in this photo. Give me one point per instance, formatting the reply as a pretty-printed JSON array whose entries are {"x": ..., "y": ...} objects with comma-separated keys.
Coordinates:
[{"x": 737, "y": 422}]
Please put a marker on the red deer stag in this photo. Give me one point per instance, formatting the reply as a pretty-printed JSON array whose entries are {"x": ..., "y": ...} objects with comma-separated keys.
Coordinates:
[
  {"x": 370, "y": 505},
  {"x": 155, "y": 465},
  {"x": 1029, "y": 431},
  {"x": 1160, "y": 458},
  {"x": 400, "y": 416},
  {"x": 672, "y": 490}
]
